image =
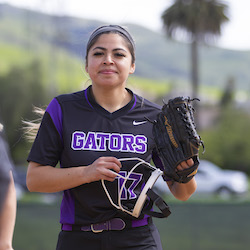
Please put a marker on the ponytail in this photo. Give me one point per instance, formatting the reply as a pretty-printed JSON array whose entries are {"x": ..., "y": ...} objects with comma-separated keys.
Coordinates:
[{"x": 31, "y": 127}]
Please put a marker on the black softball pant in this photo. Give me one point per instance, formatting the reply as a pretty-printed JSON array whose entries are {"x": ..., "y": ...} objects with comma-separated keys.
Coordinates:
[{"x": 139, "y": 238}]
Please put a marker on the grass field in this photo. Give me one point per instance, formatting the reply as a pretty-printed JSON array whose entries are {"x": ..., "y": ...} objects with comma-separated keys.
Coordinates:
[
  {"x": 191, "y": 226},
  {"x": 206, "y": 227}
]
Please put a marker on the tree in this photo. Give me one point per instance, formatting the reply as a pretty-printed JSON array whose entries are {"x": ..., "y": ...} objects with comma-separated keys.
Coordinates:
[
  {"x": 228, "y": 94},
  {"x": 227, "y": 142},
  {"x": 20, "y": 89},
  {"x": 201, "y": 20}
]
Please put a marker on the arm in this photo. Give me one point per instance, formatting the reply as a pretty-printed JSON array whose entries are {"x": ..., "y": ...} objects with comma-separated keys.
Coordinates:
[
  {"x": 8, "y": 217},
  {"x": 49, "y": 179},
  {"x": 183, "y": 191}
]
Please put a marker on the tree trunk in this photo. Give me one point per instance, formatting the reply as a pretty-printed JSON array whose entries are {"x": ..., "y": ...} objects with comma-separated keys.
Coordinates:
[
  {"x": 195, "y": 79},
  {"x": 194, "y": 69}
]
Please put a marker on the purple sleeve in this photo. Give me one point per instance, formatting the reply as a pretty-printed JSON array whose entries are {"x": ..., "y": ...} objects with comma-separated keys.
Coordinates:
[
  {"x": 55, "y": 112},
  {"x": 48, "y": 145}
]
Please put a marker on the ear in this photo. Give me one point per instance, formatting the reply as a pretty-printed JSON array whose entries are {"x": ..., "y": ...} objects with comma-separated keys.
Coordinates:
[
  {"x": 86, "y": 68},
  {"x": 132, "y": 69}
]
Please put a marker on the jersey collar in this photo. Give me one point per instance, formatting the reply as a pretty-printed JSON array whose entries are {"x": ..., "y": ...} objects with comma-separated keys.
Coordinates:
[{"x": 94, "y": 105}]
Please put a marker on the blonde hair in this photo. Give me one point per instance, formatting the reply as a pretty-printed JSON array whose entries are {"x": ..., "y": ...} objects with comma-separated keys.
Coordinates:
[{"x": 31, "y": 127}]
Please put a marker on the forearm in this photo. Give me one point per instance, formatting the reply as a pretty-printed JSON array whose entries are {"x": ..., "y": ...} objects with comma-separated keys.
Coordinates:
[
  {"x": 8, "y": 217},
  {"x": 47, "y": 179},
  {"x": 182, "y": 191}
]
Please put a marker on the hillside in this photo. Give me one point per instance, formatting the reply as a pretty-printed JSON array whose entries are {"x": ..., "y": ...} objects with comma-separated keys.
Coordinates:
[{"x": 157, "y": 57}]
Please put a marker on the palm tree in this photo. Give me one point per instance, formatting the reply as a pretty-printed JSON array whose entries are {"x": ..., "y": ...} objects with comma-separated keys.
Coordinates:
[{"x": 201, "y": 20}]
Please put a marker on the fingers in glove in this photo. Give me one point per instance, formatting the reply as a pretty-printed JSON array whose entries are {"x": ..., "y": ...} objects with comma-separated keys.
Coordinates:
[
  {"x": 190, "y": 162},
  {"x": 185, "y": 164}
]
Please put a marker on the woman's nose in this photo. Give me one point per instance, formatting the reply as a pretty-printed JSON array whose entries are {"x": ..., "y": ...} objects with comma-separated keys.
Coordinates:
[{"x": 108, "y": 59}]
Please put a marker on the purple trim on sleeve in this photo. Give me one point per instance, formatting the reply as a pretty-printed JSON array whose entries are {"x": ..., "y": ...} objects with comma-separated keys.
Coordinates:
[
  {"x": 55, "y": 112},
  {"x": 86, "y": 96},
  {"x": 67, "y": 208}
]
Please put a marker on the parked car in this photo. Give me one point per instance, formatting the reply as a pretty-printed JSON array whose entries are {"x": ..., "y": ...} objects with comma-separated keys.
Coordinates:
[{"x": 211, "y": 179}]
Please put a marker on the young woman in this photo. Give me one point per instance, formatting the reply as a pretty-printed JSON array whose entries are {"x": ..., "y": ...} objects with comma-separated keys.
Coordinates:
[{"x": 88, "y": 132}]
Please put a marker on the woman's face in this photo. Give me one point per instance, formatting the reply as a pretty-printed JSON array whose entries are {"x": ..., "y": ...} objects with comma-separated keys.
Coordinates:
[{"x": 109, "y": 61}]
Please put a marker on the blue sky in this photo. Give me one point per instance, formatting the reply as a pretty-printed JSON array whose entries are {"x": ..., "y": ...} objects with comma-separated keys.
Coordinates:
[{"x": 235, "y": 34}]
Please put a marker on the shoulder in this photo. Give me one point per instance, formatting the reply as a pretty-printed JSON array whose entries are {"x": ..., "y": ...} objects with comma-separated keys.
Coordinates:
[
  {"x": 145, "y": 108},
  {"x": 55, "y": 107},
  {"x": 70, "y": 97},
  {"x": 146, "y": 104},
  {"x": 58, "y": 101}
]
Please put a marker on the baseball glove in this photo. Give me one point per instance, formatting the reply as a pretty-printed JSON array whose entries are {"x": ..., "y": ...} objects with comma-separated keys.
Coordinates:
[{"x": 176, "y": 138}]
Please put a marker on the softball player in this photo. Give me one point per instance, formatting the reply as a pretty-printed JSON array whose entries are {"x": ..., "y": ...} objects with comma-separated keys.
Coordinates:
[{"x": 87, "y": 133}]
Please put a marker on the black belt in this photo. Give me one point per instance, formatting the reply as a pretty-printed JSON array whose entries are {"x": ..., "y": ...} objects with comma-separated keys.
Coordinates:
[{"x": 113, "y": 224}]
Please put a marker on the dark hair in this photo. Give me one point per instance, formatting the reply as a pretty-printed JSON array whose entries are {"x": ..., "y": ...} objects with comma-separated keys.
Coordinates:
[{"x": 114, "y": 29}]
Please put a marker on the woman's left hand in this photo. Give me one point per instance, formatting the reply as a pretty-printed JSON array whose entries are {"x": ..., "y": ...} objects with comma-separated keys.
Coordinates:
[
  {"x": 185, "y": 164},
  {"x": 183, "y": 191}
]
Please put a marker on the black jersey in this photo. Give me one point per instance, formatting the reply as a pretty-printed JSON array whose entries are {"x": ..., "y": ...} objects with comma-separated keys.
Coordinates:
[{"x": 75, "y": 131}]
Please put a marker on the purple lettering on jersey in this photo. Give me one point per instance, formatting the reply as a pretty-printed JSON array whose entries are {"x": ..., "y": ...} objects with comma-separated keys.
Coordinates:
[
  {"x": 120, "y": 182},
  {"x": 102, "y": 140},
  {"x": 115, "y": 142},
  {"x": 128, "y": 141},
  {"x": 78, "y": 139},
  {"x": 141, "y": 142},
  {"x": 90, "y": 141},
  {"x": 135, "y": 178}
]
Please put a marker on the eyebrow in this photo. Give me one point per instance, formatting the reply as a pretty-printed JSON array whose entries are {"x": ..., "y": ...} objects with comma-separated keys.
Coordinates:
[{"x": 102, "y": 48}]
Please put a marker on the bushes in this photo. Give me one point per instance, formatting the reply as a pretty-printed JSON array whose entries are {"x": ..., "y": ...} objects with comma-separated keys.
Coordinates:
[
  {"x": 228, "y": 142},
  {"x": 20, "y": 89}
]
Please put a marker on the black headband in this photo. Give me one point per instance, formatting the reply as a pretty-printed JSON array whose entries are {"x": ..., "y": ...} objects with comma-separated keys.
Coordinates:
[{"x": 110, "y": 28}]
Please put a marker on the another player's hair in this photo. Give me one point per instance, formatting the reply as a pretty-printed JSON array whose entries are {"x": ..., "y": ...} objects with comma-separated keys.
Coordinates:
[
  {"x": 31, "y": 127},
  {"x": 114, "y": 29}
]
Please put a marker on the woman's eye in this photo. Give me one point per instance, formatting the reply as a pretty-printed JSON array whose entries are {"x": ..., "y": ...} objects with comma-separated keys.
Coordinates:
[
  {"x": 119, "y": 55},
  {"x": 98, "y": 53}
]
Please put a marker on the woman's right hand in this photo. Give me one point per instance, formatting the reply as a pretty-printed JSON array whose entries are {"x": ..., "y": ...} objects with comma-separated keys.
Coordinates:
[
  {"x": 105, "y": 168},
  {"x": 49, "y": 179}
]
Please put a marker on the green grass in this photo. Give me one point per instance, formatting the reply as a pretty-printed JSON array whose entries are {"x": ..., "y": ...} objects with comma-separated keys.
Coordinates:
[
  {"x": 154, "y": 87},
  {"x": 192, "y": 225},
  {"x": 36, "y": 227},
  {"x": 12, "y": 56},
  {"x": 206, "y": 227},
  {"x": 62, "y": 71}
]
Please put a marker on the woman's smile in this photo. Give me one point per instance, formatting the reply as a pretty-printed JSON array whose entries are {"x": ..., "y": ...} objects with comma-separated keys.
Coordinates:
[{"x": 108, "y": 71}]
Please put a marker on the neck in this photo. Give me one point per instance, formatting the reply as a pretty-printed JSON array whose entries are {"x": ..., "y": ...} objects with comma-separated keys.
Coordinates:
[{"x": 111, "y": 99}]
